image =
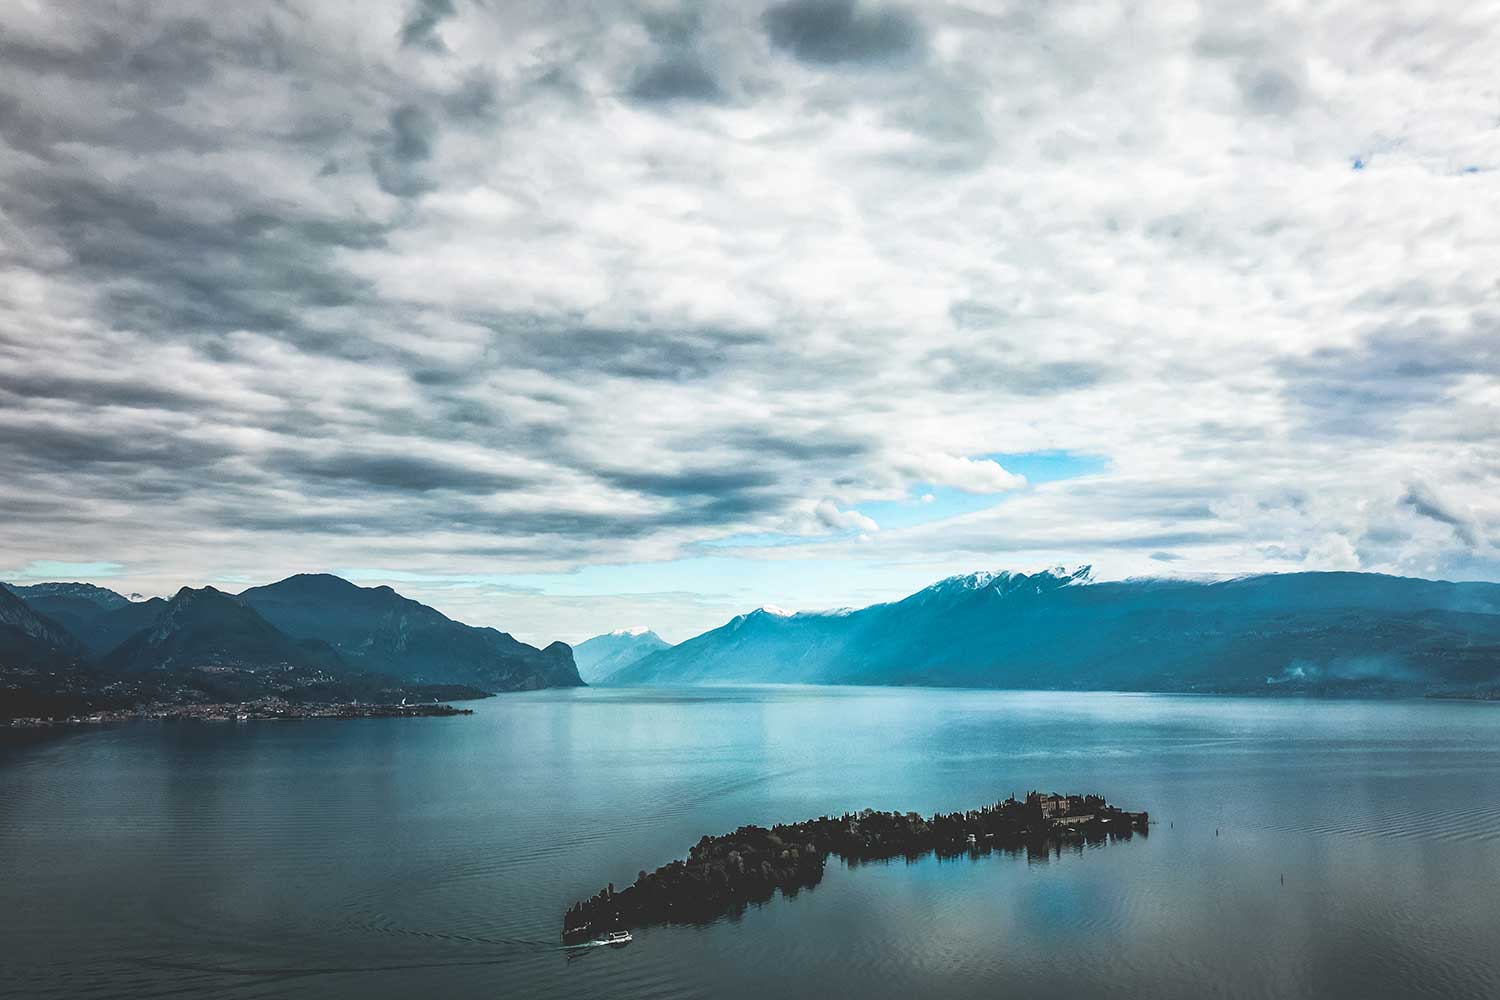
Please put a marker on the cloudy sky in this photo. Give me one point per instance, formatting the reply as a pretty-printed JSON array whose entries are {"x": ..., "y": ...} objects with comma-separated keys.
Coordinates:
[{"x": 568, "y": 317}]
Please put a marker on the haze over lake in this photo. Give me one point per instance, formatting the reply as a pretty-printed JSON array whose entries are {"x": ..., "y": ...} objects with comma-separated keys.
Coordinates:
[{"x": 401, "y": 857}]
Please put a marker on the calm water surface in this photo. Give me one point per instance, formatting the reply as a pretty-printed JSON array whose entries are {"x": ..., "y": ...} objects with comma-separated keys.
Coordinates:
[{"x": 435, "y": 857}]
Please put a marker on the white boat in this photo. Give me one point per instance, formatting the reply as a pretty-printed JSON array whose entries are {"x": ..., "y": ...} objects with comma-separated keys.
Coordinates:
[{"x": 615, "y": 939}]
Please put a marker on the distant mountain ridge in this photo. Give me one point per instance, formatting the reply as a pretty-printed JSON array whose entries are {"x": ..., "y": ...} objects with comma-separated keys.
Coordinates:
[
  {"x": 100, "y": 597},
  {"x": 97, "y": 648},
  {"x": 30, "y": 640},
  {"x": 605, "y": 654},
  {"x": 1059, "y": 629},
  {"x": 1332, "y": 633},
  {"x": 380, "y": 630},
  {"x": 99, "y": 618}
]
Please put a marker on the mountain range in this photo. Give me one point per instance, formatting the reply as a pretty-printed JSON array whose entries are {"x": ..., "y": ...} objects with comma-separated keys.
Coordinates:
[
  {"x": 99, "y": 618},
  {"x": 606, "y": 654},
  {"x": 207, "y": 628},
  {"x": 378, "y": 629},
  {"x": 1355, "y": 633},
  {"x": 65, "y": 647},
  {"x": 319, "y": 637}
]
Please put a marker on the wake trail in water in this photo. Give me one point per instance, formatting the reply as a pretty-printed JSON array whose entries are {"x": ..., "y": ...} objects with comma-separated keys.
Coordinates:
[{"x": 296, "y": 971}]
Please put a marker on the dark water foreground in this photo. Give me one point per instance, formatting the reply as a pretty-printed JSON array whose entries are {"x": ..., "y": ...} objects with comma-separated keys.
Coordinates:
[{"x": 400, "y": 857}]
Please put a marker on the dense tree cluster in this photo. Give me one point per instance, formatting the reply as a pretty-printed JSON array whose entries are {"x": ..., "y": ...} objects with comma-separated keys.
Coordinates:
[{"x": 750, "y": 864}]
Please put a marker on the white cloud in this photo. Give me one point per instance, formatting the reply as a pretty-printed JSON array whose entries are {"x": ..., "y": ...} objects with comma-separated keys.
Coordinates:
[
  {"x": 1333, "y": 552},
  {"x": 578, "y": 328},
  {"x": 829, "y": 515},
  {"x": 971, "y": 475}
]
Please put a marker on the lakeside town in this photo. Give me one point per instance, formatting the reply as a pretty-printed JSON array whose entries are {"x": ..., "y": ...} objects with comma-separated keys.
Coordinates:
[{"x": 261, "y": 709}]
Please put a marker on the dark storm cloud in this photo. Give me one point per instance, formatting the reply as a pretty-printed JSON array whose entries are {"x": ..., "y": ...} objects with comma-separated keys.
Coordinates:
[
  {"x": 1420, "y": 499},
  {"x": 1270, "y": 90},
  {"x": 952, "y": 131},
  {"x": 143, "y": 78},
  {"x": 975, "y": 370},
  {"x": 421, "y": 25},
  {"x": 400, "y": 154},
  {"x": 833, "y": 32},
  {"x": 1368, "y": 389},
  {"x": 653, "y": 355},
  {"x": 165, "y": 271},
  {"x": 674, "y": 27},
  {"x": 49, "y": 447},
  {"x": 833, "y": 443},
  {"x": 405, "y": 473},
  {"x": 709, "y": 495},
  {"x": 1268, "y": 71},
  {"x": 992, "y": 360},
  {"x": 412, "y": 134},
  {"x": 694, "y": 482},
  {"x": 91, "y": 391},
  {"x": 179, "y": 54},
  {"x": 678, "y": 70},
  {"x": 676, "y": 77},
  {"x": 574, "y": 532},
  {"x": 473, "y": 100}
]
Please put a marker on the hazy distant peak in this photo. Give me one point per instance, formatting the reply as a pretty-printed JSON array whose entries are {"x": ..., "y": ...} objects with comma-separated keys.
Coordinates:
[
  {"x": 98, "y": 596},
  {"x": 605, "y": 654}
]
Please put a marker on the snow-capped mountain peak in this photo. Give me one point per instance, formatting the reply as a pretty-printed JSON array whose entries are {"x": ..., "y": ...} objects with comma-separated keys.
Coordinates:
[
  {"x": 634, "y": 630},
  {"x": 1006, "y": 581}
]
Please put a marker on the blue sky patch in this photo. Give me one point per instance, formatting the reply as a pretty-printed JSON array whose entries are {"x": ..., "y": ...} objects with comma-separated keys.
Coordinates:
[
  {"x": 1037, "y": 466},
  {"x": 1050, "y": 466}
]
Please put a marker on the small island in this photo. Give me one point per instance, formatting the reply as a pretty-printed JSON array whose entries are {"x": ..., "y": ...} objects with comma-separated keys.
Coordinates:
[{"x": 750, "y": 864}]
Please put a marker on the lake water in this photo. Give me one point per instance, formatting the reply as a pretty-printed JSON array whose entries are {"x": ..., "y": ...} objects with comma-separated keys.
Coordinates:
[{"x": 435, "y": 857}]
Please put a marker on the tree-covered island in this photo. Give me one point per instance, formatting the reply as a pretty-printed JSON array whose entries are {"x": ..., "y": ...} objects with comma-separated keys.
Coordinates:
[{"x": 750, "y": 864}]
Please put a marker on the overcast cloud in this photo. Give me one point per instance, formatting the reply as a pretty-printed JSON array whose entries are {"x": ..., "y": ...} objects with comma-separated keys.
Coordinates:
[{"x": 569, "y": 317}]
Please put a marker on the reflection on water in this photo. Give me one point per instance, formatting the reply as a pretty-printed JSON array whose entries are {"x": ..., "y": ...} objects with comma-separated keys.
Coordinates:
[{"x": 1300, "y": 848}]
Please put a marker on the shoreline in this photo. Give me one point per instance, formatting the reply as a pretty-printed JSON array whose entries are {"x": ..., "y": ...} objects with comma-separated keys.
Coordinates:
[{"x": 263, "y": 710}]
